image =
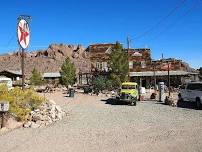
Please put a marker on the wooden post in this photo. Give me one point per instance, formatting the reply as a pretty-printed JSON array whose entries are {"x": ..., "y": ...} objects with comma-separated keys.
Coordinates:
[
  {"x": 2, "y": 119},
  {"x": 23, "y": 69}
]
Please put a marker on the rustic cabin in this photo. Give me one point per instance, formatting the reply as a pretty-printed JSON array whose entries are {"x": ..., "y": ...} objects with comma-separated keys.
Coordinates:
[{"x": 14, "y": 75}]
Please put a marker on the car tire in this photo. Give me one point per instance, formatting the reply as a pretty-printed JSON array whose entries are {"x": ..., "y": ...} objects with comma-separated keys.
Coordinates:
[
  {"x": 133, "y": 103},
  {"x": 198, "y": 104},
  {"x": 180, "y": 99}
]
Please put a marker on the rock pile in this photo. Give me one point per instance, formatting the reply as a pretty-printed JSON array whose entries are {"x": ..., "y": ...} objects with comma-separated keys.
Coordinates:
[
  {"x": 170, "y": 101},
  {"x": 45, "y": 115}
]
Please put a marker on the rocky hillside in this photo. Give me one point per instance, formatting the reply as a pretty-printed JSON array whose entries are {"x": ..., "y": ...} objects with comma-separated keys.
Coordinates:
[{"x": 49, "y": 60}]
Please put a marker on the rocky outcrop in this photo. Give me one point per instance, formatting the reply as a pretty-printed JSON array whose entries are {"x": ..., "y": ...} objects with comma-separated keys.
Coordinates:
[{"x": 49, "y": 60}]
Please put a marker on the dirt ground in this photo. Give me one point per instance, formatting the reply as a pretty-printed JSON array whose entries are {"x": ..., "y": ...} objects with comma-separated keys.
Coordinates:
[{"x": 98, "y": 124}]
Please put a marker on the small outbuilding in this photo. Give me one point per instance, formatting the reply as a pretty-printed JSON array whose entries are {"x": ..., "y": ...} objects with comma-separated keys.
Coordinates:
[{"x": 14, "y": 75}]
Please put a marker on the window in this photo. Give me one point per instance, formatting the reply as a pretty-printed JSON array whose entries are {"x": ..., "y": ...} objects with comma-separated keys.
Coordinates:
[
  {"x": 195, "y": 86},
  {"x": 190, "y": 87},
  {"x": 97, "y": 65},
  {"x": 131, "y": 65},
  {"x": 104, "y": 66},
  {"x": 198, "y": 87},
  {"x": 128, "y": 87},
  {"x": 101, "y": 66},
  {"x": 143, "y": 64}
]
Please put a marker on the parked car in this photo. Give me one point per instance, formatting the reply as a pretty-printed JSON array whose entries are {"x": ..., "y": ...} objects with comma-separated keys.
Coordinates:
[
  {"x": 191, "y": 92},
  {"x": 129, "y": 93}
]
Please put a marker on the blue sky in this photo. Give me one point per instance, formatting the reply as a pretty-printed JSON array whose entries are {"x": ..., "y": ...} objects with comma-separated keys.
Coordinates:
[{"x": 171, "y": 27}]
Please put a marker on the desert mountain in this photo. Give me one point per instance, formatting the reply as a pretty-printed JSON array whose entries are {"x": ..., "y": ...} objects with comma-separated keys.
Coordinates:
[{"x": 49, "y": 60}]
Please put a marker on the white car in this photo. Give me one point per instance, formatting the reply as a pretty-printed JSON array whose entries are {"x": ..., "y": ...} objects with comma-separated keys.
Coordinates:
[{"x": 192, "y": 92}]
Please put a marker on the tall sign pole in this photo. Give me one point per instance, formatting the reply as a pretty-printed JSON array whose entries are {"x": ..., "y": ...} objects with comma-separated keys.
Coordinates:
[{"x": 23, "y": 36}]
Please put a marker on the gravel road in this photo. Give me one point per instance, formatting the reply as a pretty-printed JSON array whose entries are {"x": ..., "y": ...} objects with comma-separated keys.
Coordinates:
[{"x": 97, "y": 124}]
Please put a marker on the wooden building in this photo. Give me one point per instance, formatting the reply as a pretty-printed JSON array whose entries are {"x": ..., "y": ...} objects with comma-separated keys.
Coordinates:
[
  {"x": 142, "y": 68},
  {"x": 99, "y": 56},
  {"x": 148, "y": 72}
]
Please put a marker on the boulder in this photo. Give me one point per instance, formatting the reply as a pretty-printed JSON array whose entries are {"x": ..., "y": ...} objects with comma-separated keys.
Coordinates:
[
  {"x": 52, "y": 102},
  {"x": 35, "y": 125},
  {"x": 27, "y": 124},
  {"x": 58, "y": 109}
]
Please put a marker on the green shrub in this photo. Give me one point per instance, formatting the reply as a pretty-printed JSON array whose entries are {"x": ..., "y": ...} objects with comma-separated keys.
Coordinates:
[
  {"x": 102, "y": 83},
  {"x": 21, "y": 102},
  {"x": 99, "y": 83},
  {"x": 3, "y": 88}
]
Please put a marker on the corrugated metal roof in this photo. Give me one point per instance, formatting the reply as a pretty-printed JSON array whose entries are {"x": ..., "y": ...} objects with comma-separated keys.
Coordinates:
[
  {"x": 19, "y": 72},
  {"x": 52, "y": 75},
  {"x": 158, "y": 73}
]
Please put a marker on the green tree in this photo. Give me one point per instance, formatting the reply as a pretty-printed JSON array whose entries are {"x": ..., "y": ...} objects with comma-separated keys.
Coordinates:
[
  {"x": 119, "y": 65},
  {"x": 68, "y": 73},
  {"x": 36, "y": 78}
]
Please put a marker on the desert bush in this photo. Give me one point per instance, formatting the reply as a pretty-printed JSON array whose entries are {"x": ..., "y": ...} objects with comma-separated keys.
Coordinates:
[
  {"x": 99, "y": 83},
  {"x": 21, "y": 102},
  {"x": 102, "y": 83},
  {"x": 3, "y": 88}
]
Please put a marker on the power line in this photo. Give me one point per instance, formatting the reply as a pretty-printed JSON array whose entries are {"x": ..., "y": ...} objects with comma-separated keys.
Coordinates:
[
  {"x": 178, "y": 19},
  {"x": 11, "y": 39},
  {"x": 182, "y": 2}
]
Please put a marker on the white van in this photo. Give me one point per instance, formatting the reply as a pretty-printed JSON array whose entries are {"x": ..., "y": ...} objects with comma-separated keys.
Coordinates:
[
  {"x": 192, "y": 92},
  {"x": 7, "y": 81}
]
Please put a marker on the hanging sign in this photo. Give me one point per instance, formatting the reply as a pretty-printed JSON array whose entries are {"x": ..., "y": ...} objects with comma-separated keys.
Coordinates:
[{"x": 23, "y": 33}]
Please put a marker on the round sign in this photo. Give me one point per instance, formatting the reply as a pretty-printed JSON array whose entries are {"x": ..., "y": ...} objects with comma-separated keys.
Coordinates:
[{"x": 23, "y": 33}]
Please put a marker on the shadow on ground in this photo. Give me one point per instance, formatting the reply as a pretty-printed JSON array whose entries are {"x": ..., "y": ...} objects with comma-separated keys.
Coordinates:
[
  {"x": 112, "y": 101},
  {"x": 186, "y": 105}
]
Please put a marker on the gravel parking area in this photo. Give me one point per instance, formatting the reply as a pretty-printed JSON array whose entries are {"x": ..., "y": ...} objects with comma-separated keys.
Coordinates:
[{"x": 97, "y": 124}]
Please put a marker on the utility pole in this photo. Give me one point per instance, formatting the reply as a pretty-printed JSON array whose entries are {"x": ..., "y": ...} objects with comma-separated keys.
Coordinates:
[
  {"x": 154, "y": 69},
  {"x": 168, "y": 78},
  {"x": 128, "y": 44}
]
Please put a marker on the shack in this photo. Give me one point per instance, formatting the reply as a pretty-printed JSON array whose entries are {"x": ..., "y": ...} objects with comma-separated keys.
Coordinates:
[{"x": 14, "y": 75}]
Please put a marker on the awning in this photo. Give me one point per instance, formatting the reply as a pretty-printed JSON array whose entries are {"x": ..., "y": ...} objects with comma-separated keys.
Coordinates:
[
  {"x": 160, "y": 73},
  {"x": 52, "y": 75}
]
